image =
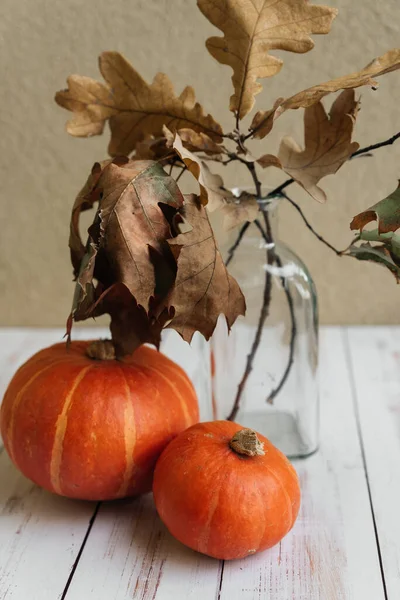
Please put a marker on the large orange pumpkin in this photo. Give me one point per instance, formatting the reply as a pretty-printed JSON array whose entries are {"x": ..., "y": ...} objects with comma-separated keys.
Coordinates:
[
  {"x": 225, "y": 491},
  {"x": 93, "y": 429}
]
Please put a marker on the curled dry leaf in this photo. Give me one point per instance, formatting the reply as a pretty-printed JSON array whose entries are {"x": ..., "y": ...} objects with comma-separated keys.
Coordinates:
[
  {"x": 386, "y": 212},
  {"x": 263, "y": 120},
  {"x": 203, "y": 288},
  {"x": 327, "y": 144},
  {"x": 126, "y": 245},
  {"x": 133, "y": 107},
  {"x": 153, "y": 148},
  {"x": 269, "y": 160},
  {"x": 253, "y": 28},
  {"x": 240, "y": 210},
  {"x": 212, "y": 191},
  {"x": 195, "y": 141}
]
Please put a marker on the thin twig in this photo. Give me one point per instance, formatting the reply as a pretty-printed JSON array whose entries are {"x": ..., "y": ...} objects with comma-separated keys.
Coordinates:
[
  {"x": 293, "y": 335},
  {"x": 309, "y": 226},
  {"x": 232, "y": 249},
  {"x": 293, "y": 325},
  {"x": 264, "y": 309},
  {"x": 388, "y": 142},
  {"x": 256, "y": 342},
  {"x": 278, "y": 190},
  {"x": 181, "y": 173}
]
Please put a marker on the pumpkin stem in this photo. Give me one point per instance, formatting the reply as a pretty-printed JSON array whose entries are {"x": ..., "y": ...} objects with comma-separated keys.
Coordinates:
[
  {"x": 246, "y": 442},
  {"x": 101, "y": 350}
]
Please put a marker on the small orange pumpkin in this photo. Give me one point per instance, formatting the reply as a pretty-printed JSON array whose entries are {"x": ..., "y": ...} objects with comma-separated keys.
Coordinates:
[
  {"x": 93, "y": 429},
  {"x": 225, "y": 491}
]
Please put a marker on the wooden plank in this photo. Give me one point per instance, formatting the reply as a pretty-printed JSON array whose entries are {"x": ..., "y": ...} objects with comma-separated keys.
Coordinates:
[
  {"x": 40, "y": 537},
  {"x": 40, "y": 534},
  {"x": 375, "y": 357},
  {"x": 130, "y": 554},
  {"x": 331, "y": 553}
]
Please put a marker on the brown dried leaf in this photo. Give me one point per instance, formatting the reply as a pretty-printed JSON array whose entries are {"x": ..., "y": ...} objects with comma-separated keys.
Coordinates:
[
  {"x": 238, "y": 211},
  {"x": 197, "y": 142},
  {"x": 263, "y": 120},
  {"x": 254, "y": 27},
  {"x": 84, "y": 201},
  {"x": 212, "y": 191},
  {"x": 153, "y": 148},
  {"x": 203, "y": 288},
  {"x": 133, "y": 107},
  {"x": 130, "y": 227},
  {"x": 327, "y": 144},
  {"x": 269, "y": 160}
]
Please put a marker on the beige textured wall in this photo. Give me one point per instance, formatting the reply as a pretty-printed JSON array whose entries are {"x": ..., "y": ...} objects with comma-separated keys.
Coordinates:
[{"x": 41, "y": 168}]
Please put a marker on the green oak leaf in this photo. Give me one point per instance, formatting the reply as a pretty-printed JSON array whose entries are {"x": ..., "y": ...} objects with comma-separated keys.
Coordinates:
[
  {"x": 378, "y": 254},
  {"x": 386, "y": 212}
]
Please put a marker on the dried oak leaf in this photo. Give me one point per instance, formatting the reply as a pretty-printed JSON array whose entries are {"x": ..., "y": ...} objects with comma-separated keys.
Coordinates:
[
  {"x": 132, "y": 225},
  {"x": 263, "y": 120},
  {"x": 254, "y": 27},
  {"x": 133, "y": 107},
  {"x": 194, "y": 141},
  {"x": 269, "y": 160},
  {"x": 378, "y": 254},
  {"x": 327, "y": 144},
  {"x": 203, "y": 288},
  {"x": 85, "y": 199},
  {"x": 212, "y": 191},
  {"x": 240, "y": 210},
  {"x": 386, "y": 212},
  {"x": 153, "y": 148}
]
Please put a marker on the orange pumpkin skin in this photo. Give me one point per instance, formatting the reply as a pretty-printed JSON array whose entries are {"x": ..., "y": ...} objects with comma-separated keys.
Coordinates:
[
  {"x": 93, "y": 429},
  {"x": 221, "y": 503}
]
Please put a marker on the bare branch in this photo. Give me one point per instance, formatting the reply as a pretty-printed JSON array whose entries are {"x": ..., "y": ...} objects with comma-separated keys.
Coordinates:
[{"x": 309, "y": 226}]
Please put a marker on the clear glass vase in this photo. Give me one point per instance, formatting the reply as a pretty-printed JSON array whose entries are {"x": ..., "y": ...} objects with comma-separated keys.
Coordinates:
[{"x": 265, "y": 371}]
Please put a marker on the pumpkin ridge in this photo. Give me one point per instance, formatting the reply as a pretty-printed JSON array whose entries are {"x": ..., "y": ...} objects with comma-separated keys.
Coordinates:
[
  {"x": 202, "y": 544},
  {"x": 129, "y": 438},
  {"x": 278, "y": 479},
  {"x": 178, "y": 395},
  {"x": 17, "y": 402},
  {"x": 61, "y": 427}
]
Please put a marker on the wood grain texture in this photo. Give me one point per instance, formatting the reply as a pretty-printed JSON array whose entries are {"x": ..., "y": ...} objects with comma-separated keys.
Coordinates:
[
  {"x": 374, "y": 354},
  {"x": 40, "y": 537},
  {"x": 130, "y": 554}
]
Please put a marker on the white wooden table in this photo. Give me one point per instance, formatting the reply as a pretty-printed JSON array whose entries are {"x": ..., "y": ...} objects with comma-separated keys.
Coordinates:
[{"x": 345, "y": 544}]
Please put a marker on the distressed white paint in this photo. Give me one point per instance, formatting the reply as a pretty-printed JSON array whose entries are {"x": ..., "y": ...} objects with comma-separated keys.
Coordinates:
[
  {"x": 331, "y": 554},
  {"x": 40, "y": 537},
  {"x": 130, "y": 554},
  {"x": 375, "y": 358}
]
